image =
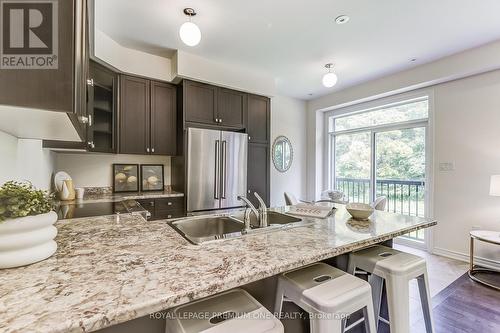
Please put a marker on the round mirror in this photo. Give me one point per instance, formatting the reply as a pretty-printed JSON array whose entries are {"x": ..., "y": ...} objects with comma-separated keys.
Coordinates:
[{"x": 282, "y": 153}]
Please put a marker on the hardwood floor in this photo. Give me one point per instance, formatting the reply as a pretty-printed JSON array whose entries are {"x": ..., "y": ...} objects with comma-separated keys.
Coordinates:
[{"x": 465, "y": 306}]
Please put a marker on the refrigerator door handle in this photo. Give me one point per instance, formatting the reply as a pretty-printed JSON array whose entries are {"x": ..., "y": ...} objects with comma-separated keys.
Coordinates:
[
  {"x": 224, "y": 168},
  {"x": 217, "y": 170}
]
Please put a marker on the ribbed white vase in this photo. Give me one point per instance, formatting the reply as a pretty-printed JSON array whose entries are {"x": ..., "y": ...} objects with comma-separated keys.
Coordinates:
[{"x": 26, "y": 240}]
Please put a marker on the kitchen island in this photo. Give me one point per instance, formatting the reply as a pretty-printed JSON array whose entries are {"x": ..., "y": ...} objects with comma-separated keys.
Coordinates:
[{"x": 112, "y": 269}]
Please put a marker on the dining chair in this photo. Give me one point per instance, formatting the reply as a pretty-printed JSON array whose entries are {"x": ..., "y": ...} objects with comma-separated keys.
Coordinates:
[
  {"x": 290, "y": 199},
  {"x": 380, "y": 203}
]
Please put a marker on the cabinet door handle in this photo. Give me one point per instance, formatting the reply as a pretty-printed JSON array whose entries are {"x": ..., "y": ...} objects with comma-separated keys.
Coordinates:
[
  {"x": 90, "y": 82},
  {"x": 147, "y": 150},
  {"x": 90, "y": 120},
  {"x": 220, "y": 120},
  {"x": 91, "y": 144},
  {"x": 249, "y": 138},
  {"x": 216, "y": 120},
  {"x": 152, "y": 150},
  {"x": 169, "y": 203}
]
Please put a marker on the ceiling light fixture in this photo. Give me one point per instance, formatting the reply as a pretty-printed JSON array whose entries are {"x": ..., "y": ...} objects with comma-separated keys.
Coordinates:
[
  {"x": 342, "y": 19},
  {"x": 189, "y": 32},
  {"x": 330, "y": 78}
]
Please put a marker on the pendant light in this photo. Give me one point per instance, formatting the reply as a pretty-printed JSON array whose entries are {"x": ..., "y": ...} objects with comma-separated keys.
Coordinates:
[
  {"x": 330, "y": 78},
  {"x": 189, "y": 32}
]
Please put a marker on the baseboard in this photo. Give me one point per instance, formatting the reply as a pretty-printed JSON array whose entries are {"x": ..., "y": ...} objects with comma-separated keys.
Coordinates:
[
  {"x": 480, "y": 261},
  {"x": 410, "y": 243}
]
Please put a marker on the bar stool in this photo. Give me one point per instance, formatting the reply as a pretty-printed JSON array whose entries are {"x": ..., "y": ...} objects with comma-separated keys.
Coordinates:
[
  {"x": 232, "y": 311},
  {"x": 328, "y": 294},
  {"x": 396, "y": 268}
]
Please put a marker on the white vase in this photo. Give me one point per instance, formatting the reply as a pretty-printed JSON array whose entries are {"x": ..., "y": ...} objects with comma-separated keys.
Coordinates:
[{"x": 26, "y": 240}]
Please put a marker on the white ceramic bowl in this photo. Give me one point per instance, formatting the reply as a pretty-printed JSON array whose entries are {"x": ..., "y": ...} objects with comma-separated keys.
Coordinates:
[{"x": 360, "y": 211}]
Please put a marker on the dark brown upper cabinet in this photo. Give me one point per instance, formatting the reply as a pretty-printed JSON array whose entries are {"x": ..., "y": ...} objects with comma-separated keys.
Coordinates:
[
  {"x": 231, "y": 107},
  {"x": 134, "y": 115},
  {"x": 258, "y": 119},
  {"x": 147, "y": 117},
  {"x": 102, "y": 109},
  {"x": 60, "y": 87},
  {"x": 163, "y": 119},
  {"x": 214, "y": 106},
  {"x": 200, "y": 103}
]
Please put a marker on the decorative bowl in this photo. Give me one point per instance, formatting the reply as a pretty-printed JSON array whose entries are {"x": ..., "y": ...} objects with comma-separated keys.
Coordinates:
[
  {"x": 26, "y": 240},
  {"x": 360, "y": 211}
]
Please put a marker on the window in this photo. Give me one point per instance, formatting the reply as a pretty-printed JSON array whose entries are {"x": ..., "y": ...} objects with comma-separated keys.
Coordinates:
[{"x": 382, "y": 151}]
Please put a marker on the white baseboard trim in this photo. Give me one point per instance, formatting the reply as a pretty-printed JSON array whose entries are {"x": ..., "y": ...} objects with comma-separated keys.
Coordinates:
[
  {"x": 480, "y": 261},
  {"x": 410, "y": 243}
]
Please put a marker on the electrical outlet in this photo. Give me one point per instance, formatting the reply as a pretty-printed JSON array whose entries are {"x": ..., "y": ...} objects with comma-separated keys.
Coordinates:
[{"x": 446, "y": 166}]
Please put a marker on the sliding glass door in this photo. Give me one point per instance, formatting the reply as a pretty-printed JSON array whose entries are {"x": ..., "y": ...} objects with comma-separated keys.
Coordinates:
[
  {"x": 400, "y": 166},
  {"x": 382, "y": 152},
  {"x": 352, "y": 166}
]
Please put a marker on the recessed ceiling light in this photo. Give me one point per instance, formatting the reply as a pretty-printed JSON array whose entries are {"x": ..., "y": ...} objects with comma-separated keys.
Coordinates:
[{"x": 342, "y": 19}]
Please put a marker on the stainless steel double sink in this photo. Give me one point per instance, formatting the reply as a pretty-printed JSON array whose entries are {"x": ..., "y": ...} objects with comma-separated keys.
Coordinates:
[{"x": 202, "y": 229}]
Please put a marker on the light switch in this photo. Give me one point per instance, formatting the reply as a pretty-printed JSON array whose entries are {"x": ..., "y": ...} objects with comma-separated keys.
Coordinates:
[{"x": 446, "y": 166}]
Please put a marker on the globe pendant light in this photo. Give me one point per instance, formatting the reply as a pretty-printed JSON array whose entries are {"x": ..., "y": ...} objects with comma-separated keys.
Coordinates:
[
  {"x": 189, "y": 32},
  {"x": 330, "y": 78}
]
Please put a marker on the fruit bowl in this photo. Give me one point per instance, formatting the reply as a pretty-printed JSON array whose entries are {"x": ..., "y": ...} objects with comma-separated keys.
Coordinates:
[{"x": 360, "y": 211}]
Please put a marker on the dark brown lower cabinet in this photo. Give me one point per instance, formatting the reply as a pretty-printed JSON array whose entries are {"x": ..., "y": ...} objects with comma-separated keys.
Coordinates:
[
  {"x": 258, "y": 172},
  {"x": 164, "y": 208}
]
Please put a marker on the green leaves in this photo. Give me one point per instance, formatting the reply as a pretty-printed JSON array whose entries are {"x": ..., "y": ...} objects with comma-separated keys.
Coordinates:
[{"x": 19, "y": 199}]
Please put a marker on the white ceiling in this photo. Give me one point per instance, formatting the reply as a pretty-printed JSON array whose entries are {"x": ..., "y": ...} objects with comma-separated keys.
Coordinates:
[{"x": 293, "y": 39}]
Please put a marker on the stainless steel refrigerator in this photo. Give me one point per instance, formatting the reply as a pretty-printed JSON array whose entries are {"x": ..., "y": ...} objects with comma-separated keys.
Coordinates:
[{"x": 216, "y": 169}]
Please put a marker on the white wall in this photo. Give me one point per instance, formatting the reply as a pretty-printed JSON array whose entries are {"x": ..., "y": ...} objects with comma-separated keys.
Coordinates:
[
  {"x": 467, "y": 133},
  {"x": 237, "y": 77},
  {"x": 288, "y": 118},
  {"x": 8, "y": 151},
  {"x": 130, "y": 60},
  {"x": 25, "y": 160},
  {"x": 95, "y": 170}
]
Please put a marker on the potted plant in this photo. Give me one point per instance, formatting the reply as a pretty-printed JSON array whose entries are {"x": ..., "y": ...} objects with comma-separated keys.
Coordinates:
[{"x": 27, "y": 229}]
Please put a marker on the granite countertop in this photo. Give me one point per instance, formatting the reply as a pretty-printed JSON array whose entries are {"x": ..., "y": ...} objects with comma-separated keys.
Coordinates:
[{"x": 112, "y": 269}]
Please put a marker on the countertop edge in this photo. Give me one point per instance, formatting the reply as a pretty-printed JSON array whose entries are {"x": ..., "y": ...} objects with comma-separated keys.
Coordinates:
[{"x": 123, "y": 316}]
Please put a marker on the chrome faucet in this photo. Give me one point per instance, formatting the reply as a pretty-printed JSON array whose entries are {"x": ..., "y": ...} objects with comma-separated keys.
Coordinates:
[
  {"x": 262, "y": 211},
  {"x": 250, "y": 209},
  {"x": 247, "y": 220},
  {"x": 260, "y": 214}
]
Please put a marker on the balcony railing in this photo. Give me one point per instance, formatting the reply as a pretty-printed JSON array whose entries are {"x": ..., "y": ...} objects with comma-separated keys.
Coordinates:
[{"x": 403, "y": 196}]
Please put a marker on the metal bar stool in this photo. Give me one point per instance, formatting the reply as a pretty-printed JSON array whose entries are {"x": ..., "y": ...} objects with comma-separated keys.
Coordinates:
[
  {"x": 228, "y": 312},
  {"x": 328, "y": 294},
  {"x": 396, "y": 269}
]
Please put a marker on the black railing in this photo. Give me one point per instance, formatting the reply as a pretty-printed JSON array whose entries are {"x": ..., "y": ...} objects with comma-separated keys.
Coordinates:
[{"x": 403, "y": 196}]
